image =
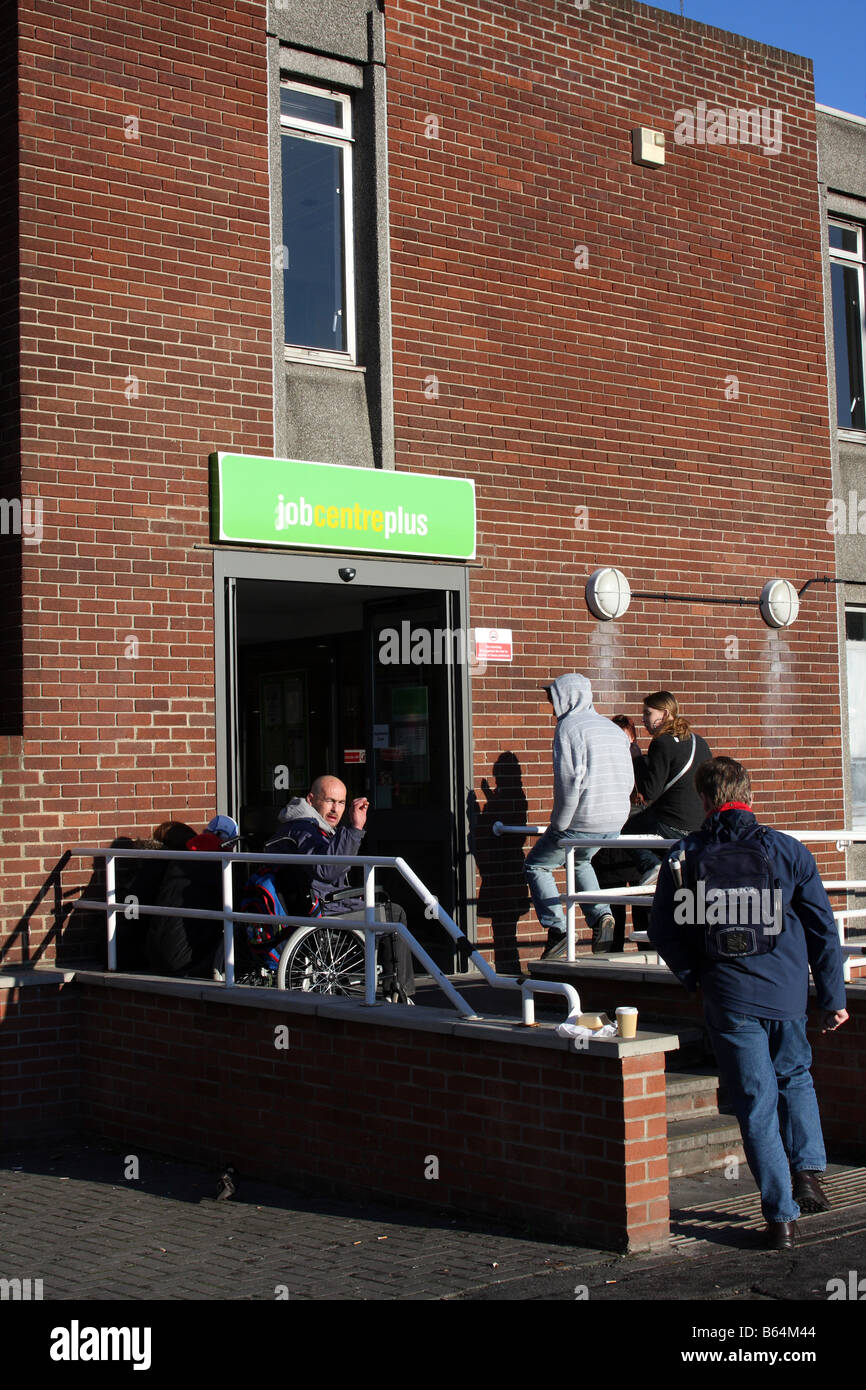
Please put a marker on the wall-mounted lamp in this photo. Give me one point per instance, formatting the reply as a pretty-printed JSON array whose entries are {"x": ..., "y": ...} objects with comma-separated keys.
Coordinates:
[
  {"x": 608, "y": 594},
  {"x": 779, "y": 603}
]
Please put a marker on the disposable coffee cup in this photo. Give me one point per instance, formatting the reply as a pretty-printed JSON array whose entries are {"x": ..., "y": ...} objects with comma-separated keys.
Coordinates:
[{"x": 626, "y": 1022}]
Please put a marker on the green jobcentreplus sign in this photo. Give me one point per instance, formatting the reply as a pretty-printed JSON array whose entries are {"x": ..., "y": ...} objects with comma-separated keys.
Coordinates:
[{"x": 323, "y": 506}]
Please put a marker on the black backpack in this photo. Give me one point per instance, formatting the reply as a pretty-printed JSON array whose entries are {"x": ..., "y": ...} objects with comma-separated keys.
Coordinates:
[{"x": 730, "y": 889}]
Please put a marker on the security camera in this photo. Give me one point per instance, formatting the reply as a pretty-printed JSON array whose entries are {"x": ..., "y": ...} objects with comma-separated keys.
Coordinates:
[{"x": 347, "y": 575}]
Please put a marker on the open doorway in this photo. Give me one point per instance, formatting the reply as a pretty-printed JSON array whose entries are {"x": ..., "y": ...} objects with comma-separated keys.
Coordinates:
[{"x": 316, "y": 684}]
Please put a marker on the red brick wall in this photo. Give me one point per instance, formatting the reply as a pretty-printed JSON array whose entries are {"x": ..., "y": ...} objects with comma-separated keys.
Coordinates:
[
  {"x": 604, "y": 387},
  {"x": 838, "y": 1059},
  {"x": 10, "y": 405},
  {"x": 521, "y": 1133},
  {"x": 558, "y": 387},
  {"x": 39, "y": 1075},
  {"x": 143, "y": 258}
]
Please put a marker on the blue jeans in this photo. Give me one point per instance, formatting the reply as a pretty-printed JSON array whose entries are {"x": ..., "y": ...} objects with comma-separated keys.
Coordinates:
[
  {"x": 546, "y": 854},
  {"x": 646, "y": 822},
  {"x": 764, "y": 1063}
]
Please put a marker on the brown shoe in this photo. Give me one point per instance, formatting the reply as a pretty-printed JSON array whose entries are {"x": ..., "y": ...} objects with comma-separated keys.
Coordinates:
[
  {"x": 809, "y": 1194},
  {"x": 781, "y": 1235}
]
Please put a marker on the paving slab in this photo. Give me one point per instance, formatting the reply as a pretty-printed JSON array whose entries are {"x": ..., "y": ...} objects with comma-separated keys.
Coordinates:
[{"x": 68, "y": 1219}]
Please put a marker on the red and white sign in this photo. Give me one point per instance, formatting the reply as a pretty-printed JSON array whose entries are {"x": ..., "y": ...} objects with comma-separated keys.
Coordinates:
[
  {"x": 354, "y": 755},
  {"x": 493, "y": 644}
]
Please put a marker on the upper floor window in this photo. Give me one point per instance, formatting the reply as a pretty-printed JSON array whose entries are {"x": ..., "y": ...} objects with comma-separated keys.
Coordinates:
[
  {"x": 849, "y": 322},
  {"x": 855, "y": 651},
  {"x": 318, "y": 269}
]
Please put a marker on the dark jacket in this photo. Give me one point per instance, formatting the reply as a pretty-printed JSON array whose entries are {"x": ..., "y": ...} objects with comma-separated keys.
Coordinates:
[
  {"x": 774, "y": 985},
  {"x": 306, "y": 833},
  {"x": 185, "y": 945},
  {"x": 680, "y": 806}
]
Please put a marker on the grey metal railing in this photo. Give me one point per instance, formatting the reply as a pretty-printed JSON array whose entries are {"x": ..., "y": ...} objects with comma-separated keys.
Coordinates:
[
  {"x": 228, "y": 915},
  {"x": 641, "y": 895}
]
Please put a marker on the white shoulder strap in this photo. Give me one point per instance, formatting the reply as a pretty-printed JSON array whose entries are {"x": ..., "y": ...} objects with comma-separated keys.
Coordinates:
[{"x": 683, "y": 770}]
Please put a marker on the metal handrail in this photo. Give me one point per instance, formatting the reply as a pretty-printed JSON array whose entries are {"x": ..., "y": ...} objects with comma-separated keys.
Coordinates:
[
  {"x": 370, "y": 927},
  {"x": 842, "y": 837},
  {"x": 636, "y": 894}
]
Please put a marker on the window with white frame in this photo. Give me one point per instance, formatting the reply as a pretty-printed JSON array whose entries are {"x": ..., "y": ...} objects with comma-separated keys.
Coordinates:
[
  {"x": 318, "y": 267},
  {"x": 849, "y": 321},
  {"x": 855, "y": 652}
]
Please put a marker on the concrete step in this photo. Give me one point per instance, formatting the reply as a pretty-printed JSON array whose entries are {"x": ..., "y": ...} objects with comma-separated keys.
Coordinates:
[
  {"x": 700, "y": 1143},
  {"x": 692, "y": 1091}
]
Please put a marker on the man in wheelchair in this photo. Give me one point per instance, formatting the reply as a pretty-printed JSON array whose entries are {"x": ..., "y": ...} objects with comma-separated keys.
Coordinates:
[{"x": 326, "y": 960}]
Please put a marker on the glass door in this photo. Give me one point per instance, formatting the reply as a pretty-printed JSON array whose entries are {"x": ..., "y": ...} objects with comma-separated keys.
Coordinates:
[
  {"x": 358, "y": 679},
  {"x": 413, "y": 769}
]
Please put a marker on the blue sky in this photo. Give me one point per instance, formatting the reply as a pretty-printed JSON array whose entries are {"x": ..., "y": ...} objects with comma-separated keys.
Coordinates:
[{"x": 830, "y": 32}]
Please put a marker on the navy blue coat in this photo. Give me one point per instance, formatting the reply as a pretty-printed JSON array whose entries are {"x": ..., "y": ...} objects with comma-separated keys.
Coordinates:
[
  {"x": 776, "y": 984},
  {"x": 306, "y": 836}
]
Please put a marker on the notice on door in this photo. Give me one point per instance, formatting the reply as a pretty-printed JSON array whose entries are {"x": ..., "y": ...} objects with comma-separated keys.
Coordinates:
[{"x": 493, "y": 644}]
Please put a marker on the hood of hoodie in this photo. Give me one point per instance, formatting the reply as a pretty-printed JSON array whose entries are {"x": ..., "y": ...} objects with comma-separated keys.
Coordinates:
[
  {"x": 729, "y": 825},
  {"x": 571, "y": 693},
  {"x": 300, "y": 809}
]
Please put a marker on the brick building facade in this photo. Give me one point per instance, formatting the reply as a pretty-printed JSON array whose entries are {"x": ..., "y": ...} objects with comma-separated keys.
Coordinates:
[{"x": 628, "y": 361}]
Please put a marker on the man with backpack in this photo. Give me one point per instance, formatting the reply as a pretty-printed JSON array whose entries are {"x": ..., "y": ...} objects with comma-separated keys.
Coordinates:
[{"x": 741, "y": 913}]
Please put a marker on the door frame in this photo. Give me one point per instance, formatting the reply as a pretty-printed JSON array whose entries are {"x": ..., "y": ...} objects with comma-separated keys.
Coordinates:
[{"x": 231, "y": 565}]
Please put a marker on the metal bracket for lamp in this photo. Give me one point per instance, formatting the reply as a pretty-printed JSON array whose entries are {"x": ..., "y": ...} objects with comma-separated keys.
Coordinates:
[{"x": 609, "y": 595}]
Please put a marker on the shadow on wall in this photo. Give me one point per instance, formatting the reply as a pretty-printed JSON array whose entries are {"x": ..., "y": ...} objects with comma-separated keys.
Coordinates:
[
  {"x": 18, "y": 948},
  {"x": 503, "y": 895}
]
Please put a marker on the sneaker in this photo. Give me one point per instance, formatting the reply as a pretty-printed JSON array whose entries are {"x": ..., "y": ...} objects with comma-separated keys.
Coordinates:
[
  {"x": 556, "y": 944},
  {"x": 602, "y": 934}
]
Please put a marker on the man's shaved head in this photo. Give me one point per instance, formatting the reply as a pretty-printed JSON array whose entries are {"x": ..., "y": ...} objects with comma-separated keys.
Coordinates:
[{"x": 328, "y": 796}]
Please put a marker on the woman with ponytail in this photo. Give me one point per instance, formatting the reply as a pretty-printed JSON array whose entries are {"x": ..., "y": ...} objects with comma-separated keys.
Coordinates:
[{"x": 665, "y": 778}]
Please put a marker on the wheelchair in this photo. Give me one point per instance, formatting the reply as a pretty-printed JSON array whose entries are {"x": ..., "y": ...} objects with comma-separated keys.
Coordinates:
[{"x": 325, "y": 957}]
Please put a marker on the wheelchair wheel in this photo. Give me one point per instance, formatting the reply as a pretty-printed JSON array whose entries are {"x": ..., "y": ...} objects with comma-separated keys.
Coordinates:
[{"x": 323, "y": 960}]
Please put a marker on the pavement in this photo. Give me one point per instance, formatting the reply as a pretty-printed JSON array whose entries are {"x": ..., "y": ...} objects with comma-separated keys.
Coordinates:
[
  {"x": 96, "y": 1234},
  {"x": 70, "y": 1218}
]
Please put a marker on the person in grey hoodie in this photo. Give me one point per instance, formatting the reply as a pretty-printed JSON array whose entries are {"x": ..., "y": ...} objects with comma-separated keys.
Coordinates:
[{"x": 593, "y": 778}]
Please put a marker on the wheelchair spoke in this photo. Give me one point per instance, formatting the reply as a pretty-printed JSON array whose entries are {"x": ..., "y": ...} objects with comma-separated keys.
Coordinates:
[
  {"x": 329, "y": 960},
  {"x": 351, "y": 952}
]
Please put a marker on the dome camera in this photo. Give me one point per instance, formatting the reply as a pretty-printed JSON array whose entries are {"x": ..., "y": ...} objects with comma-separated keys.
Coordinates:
[{"x": 347, "y": 574}]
